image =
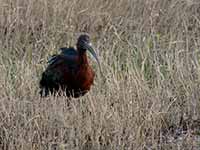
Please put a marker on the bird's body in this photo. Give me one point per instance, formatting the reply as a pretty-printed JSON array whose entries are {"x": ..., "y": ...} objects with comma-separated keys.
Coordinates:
[{"x": 68, "y": 72}]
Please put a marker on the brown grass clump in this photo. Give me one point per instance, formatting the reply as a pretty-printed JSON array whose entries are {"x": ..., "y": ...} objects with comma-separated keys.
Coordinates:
[{"x": 149, "y": 51}]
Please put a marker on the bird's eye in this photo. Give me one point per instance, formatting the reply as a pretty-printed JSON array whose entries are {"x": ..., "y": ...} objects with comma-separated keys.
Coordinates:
[{"x": 90, "y": 44}]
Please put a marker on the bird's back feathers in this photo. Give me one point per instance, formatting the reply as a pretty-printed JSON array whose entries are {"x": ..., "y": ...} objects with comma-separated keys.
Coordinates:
[{"x": 58, "y": 65}]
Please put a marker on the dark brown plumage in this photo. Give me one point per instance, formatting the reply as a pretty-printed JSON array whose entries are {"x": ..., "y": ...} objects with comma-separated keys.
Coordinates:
[{"x": 69, "y": 71}]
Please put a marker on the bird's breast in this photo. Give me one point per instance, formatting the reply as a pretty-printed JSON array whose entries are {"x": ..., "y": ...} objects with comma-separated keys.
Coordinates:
[{"x": 85, "y": 77}]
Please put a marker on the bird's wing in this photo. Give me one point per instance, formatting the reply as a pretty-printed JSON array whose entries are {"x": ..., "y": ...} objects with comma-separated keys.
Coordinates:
[
  {"x": 68, "y": 51},
  {"x": 59, "y": 71},
  {"x": 54, "y": 70},
  {"x": 62, "y": 64},
  {"x": 60, "y": 68},
  {"x": 68, "y": 56}
]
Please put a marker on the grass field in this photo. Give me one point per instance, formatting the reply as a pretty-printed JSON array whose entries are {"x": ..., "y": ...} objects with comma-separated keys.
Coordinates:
[{"x": 150, "y": 56}]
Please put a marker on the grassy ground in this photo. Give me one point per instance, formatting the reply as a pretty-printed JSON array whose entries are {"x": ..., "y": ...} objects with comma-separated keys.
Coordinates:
[{"x": 149, "y": 52}]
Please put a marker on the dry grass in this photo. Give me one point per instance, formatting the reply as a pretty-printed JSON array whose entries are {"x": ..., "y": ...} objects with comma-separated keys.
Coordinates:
[{"x": 149, "y": 51}]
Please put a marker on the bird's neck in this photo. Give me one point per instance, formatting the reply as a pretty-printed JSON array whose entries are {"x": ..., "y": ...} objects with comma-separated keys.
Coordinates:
[{"x": 83, "y": 59}]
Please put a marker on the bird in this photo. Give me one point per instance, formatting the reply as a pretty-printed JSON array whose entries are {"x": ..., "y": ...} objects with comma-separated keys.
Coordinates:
[{"x": 70, "y": 72}]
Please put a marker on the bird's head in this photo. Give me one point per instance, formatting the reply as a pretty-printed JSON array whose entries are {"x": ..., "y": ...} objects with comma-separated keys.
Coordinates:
[{"x": 84, "y": 44}]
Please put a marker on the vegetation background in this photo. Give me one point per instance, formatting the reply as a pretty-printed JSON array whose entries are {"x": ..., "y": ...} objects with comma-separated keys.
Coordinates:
[{"x": 149, "y": 52}]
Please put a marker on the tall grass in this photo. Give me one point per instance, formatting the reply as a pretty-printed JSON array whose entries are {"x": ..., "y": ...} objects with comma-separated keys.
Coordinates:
[{"x": 149, "y": 52}]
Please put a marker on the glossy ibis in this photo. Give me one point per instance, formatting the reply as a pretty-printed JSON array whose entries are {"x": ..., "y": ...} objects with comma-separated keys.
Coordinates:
[{"x": 69, "y": 71}]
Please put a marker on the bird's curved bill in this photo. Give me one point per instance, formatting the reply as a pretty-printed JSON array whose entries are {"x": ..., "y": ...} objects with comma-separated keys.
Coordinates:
[{"x": 92, "y": 51}]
